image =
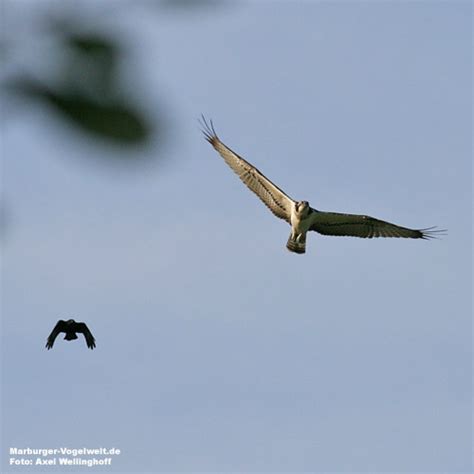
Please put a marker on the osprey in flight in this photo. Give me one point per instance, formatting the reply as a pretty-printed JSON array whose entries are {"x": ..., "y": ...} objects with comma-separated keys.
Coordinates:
[
  {"x": 299, "y": 214},
  {"x": 70, "y": 327}
]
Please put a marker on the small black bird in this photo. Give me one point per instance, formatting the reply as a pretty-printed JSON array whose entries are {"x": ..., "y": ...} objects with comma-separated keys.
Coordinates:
[{"x": 70, "y": 327}]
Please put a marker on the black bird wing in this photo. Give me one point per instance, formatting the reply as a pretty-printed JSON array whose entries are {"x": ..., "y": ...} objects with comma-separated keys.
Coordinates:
[
  {"x": 60, "y": 327},
  {"x": 353, "y": 225},
  {"x": 271, "y": 195},
  {"x": 82, "y": 328}
]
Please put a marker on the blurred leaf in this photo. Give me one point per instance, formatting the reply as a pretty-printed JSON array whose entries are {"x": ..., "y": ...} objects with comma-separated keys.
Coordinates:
[
  {"x": 91, "y": 63},
  {"x": 92, "y": 45},
  {"x": 113, "y": 120}
]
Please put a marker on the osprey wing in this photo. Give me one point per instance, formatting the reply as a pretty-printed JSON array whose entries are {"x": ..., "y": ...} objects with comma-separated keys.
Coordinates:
[
  {"x": 60, "y": 327},
  {"x": 270, "y": 194},
  {"x": 82, "y": 328},
  {"x": 353, "y": 225}
]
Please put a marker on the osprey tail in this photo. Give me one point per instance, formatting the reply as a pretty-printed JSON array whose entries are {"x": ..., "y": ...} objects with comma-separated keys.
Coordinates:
[{"x": 296, "y": 243}]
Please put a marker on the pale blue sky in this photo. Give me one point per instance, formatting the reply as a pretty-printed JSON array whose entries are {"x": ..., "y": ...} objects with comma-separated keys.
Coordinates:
[{"x": 217, "y": 349}]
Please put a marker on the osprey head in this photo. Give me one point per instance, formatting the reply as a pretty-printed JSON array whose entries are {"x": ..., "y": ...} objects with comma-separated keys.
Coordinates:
[
  {"x": 70, "y": 321},
  {"x": 302, "y": 208}
]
